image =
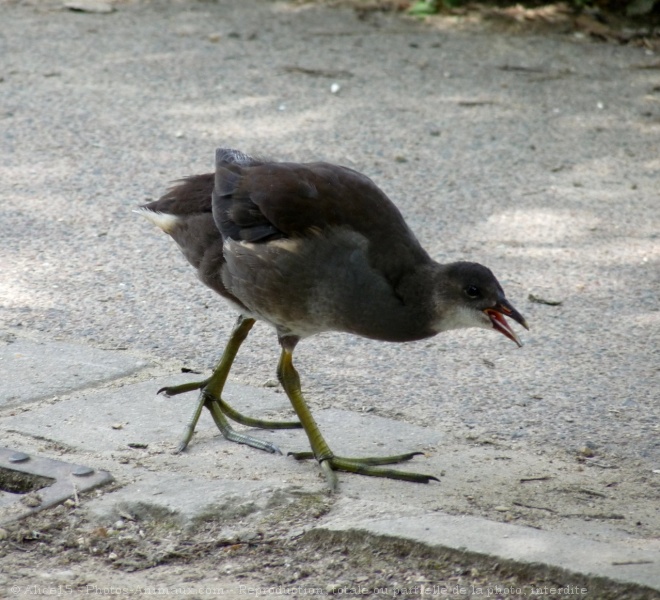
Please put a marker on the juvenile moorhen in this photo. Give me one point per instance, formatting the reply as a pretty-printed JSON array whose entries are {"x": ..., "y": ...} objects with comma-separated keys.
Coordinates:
[{"x": 310, "y": 248}]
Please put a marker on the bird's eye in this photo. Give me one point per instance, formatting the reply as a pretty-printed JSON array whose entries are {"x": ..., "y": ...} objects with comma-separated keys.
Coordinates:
[{"x": 472, "y": 291}]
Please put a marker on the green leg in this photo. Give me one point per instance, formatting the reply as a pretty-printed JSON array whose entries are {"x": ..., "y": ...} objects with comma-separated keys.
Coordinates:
[
  {"x": 210, "y": 396},
  {"x": 321, "y": 451}
]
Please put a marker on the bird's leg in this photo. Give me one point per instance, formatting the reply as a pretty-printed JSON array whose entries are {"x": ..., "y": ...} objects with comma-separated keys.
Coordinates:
[
  {"x": 211, "y": 388},
  {"x": 330, "y": 463},
  {"x": 210, "y": 396}
]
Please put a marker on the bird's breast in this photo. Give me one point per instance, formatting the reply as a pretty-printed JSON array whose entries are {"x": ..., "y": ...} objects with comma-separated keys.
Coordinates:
[{"x": 323, "y": 282}]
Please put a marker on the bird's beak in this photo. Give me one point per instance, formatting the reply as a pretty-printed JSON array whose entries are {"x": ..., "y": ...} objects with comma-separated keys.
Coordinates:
[{"x": 496, "y": 315}]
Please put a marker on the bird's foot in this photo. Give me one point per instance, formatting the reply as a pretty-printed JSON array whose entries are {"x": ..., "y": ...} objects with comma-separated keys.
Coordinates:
[
  {"x": 230, "y": 412},
  {"x": 217, "y": 412},
  {"x": 252, "y": 422},
  {"x": 366, "y": 466},
  {"x": 236, "y": 436},
  {"x": 220, "y": 410}
]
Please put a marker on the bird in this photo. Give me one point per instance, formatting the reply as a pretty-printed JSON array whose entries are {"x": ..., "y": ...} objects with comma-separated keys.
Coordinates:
[{"x": 309, "y": 248}]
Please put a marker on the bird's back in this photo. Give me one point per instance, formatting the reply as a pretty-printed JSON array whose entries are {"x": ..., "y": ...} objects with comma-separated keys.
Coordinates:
[{"x": 239, "y": 227}]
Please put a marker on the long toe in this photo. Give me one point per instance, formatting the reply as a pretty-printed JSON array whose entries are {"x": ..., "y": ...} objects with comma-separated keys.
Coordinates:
[
  {"x": 338, "y": 463},
  {"x": 383, "y": 460},
  {"x": 175, "y": 390},
  {"x": 236, "y": 436},
  {"x": 365, "y": 460},
  {"x": 234, "y": 415}
]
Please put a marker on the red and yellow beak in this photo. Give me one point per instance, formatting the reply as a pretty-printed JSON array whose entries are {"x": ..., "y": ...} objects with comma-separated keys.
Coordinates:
[{"x": 496, "y": 315}]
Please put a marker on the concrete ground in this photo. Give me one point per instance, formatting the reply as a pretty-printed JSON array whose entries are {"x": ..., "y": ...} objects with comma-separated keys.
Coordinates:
[{"x": 536, "y": 155}]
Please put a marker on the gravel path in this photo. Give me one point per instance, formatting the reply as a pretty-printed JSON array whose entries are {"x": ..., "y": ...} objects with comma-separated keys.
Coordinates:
[{"x": 535, "y": 155}]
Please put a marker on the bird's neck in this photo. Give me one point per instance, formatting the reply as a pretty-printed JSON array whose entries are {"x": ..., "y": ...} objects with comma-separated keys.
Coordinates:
[{"x": 410, "y": 316}]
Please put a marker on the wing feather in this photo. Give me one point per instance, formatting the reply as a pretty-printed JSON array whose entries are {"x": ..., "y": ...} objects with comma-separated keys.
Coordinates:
[{"x": 264, "y": 201}]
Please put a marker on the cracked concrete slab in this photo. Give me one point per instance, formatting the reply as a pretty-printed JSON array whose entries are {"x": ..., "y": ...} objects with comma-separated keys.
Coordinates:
[
  {"x": 110, "y": 419},
  {"x": 32, "y": 370},
  {"x": 187, "y": 501},
  {"x": 134, "y": 415}
]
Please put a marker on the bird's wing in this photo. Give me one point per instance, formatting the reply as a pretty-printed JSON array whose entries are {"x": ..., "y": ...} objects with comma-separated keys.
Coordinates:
[{"x": 264, "y": 201}]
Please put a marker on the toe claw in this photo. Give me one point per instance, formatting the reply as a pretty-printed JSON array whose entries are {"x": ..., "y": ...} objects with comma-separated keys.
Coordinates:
[
  {"x": 273, "y": 449},
  {"x": 301, "y": 455}
]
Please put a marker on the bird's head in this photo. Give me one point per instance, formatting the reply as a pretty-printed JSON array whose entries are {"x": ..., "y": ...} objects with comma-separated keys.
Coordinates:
[{"x": 469, "y": 295}]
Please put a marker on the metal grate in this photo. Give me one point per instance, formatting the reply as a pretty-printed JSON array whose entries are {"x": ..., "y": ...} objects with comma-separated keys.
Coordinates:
[{"x": 30, "y": 483}]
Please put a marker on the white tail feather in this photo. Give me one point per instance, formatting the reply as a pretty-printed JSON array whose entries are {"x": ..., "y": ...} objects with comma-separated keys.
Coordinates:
[{"x": 164, "y": 221}]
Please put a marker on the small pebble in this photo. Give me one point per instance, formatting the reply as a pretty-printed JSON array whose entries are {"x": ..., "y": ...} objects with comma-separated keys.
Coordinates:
[
  {"x": 541, "y": 300},
  {"x": 117, "y": 426},
  {"x": 137, "y": 445},
  {"x": 502, "y": 509},
  {"x": 31, "y": 501},
  {"x": 248, "y": 536},
  {"x": 334, "y": 88},
  {"x": 90, "y": 6}
]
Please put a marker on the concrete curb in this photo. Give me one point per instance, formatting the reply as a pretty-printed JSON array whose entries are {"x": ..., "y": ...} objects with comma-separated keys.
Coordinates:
[{"x": 631, "y": 564}]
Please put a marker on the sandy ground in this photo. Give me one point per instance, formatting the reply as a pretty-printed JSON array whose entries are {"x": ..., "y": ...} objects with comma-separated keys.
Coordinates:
[{"x": 535, "y": 155}]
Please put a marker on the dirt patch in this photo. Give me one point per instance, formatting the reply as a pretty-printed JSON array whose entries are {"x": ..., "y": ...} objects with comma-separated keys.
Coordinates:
[
  {"x": 62, "y": 552},
  {"x": 601, "y": 23}
]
